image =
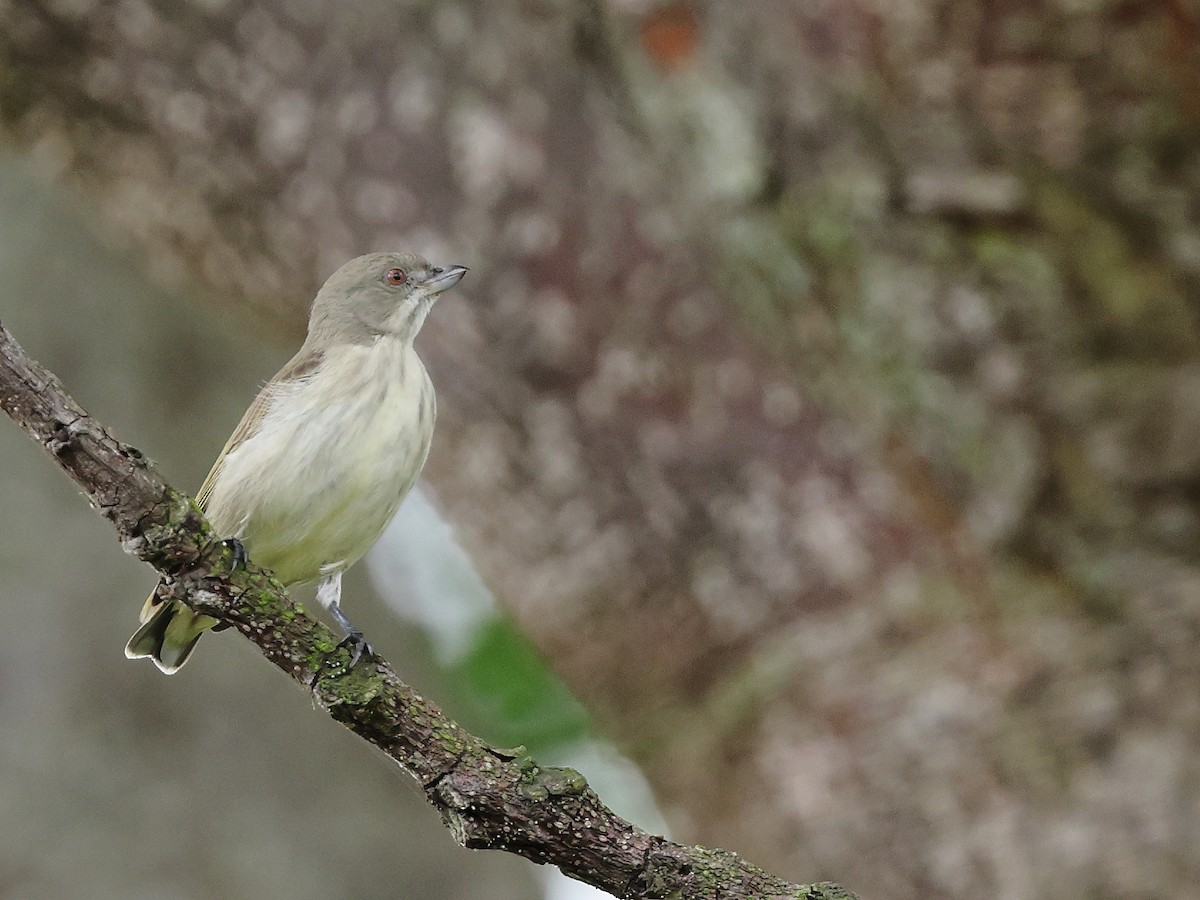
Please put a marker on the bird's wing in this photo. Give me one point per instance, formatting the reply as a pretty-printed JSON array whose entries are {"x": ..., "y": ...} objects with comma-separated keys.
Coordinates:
[{"x": 300, "y": 366}]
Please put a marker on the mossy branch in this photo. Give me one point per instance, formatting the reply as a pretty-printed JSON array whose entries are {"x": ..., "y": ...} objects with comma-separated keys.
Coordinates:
[{"x": 488, "y": 798}]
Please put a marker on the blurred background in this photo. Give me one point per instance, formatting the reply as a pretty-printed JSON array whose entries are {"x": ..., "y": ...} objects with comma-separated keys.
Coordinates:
[{"x": 818, "y": 441}]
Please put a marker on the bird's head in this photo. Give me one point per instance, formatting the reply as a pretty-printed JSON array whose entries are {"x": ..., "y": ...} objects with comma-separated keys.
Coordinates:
[{"x": 378, "y": 294}]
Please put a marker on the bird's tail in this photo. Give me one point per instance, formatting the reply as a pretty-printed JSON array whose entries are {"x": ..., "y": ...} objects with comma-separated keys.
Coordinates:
[{"x": 168, "y": 634}]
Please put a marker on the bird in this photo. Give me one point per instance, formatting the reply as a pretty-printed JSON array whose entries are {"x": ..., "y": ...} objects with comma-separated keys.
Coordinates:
[{"x": 327, "y": 450}]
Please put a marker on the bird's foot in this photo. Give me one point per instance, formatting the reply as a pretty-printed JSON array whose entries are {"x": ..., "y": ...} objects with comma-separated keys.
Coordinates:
[
  {"x": 357, "y": 645},
  {"x": 238, "y": 549},
  {"x": 353, "y": 643},
  {"x": 332, "y": 662}
]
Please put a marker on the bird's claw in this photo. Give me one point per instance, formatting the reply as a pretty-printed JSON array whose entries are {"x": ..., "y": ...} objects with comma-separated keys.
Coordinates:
[
  {"x": 238, "y": 549},
  {"x": 355, "y": 644}
]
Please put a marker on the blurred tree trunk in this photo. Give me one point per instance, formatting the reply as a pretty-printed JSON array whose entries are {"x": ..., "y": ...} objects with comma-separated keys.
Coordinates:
[{"x": 827, "y": 402}]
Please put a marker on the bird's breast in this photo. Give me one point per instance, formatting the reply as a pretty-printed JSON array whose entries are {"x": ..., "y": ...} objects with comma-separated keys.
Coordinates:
[{"x": 336, "y": 453}]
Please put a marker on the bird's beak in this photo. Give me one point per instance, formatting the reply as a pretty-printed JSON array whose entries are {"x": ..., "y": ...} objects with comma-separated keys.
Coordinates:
[{"x": 441, "y": 279}]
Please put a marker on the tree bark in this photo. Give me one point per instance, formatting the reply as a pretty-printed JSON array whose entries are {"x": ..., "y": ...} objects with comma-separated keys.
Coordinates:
[{"x": 826, "y": 405}]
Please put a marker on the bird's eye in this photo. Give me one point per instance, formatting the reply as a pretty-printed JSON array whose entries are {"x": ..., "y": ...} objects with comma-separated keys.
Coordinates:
[{"x": 395, "y": 276}]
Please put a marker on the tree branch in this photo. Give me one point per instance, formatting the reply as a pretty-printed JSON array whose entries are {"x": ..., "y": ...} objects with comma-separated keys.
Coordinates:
[{"x": 488, "y": 798}]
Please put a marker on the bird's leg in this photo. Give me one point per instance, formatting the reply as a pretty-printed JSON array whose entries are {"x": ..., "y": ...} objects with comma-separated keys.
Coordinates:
[{"x": 329, "y": 595}]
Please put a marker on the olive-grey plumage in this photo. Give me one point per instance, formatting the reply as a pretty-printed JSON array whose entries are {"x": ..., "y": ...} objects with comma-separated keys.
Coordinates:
[{"x": 328, "y": 449}]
